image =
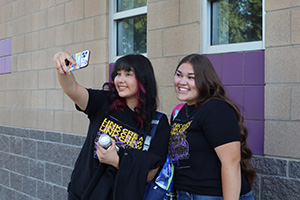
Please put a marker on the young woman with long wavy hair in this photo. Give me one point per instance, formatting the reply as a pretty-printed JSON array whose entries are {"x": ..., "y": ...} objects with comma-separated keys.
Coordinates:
[{"x": 208, "y": 138}]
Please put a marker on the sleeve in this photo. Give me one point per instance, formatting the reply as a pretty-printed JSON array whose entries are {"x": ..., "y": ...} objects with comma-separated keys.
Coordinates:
[
  {"x": 160, "y": 142},
  {"x": 221, "y": 125},
  {"x": 96, "y": 100},
  {"x": 132, "y": 174}
]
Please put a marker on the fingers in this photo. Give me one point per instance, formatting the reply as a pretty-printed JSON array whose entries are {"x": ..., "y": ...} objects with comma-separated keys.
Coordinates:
[
  {"x": 113, "y": 142},
  {"x": 62, "y": 62},
  {"x": 57, "y": 54},
  {"x": 98, "y": 155},
  {"x": 58, "y": 66},
  {"x": 100, "y": 148},
  {"x": 59, "y": 62},
  {"x": 113, "y": 145},
  {"x": 69, "y": 59},
  {"x": 100, "y": 152}
]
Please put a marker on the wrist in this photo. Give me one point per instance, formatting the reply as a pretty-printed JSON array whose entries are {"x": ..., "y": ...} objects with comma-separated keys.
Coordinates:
[{"x": 116, "y": 163}]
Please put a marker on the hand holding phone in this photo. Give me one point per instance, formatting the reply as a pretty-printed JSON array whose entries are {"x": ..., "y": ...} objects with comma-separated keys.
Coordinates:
[{"x": 82, "y": 60}]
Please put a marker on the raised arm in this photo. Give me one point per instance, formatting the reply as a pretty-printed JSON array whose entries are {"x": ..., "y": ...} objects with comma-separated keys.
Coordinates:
[{"x": 75, "y": 91}]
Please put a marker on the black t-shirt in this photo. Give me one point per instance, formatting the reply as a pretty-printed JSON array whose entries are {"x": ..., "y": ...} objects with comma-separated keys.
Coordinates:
[
  {"x": 119, "y": 125},
  {"x": 195, "y": 132}
]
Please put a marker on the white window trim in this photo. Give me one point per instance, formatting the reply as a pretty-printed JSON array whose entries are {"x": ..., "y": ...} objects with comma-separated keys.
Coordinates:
[
  {"x": 205, "y": 35},
  {"x": 113, "y": 18}
]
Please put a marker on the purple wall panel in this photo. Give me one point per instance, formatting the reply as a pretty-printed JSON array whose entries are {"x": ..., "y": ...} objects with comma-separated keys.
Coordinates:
[
  {"x": 232, "y": 68},
  {"x": 235, "y": 93},
  {"x": 2, "y": 48},
  {"x": 7, "y": 64},
  {"x": 111, "y": 67},
  {"x": 2, "y": 65},
  {"x": 255, "y": 136},
  {"x": 5, "y": 47},
  {"x": 254, "y": 102},
  {"x": 7, "y": 51},
  {"x": 242, "y": 74},
  {"x": 216, "y": 60},
  {"x": 5, "y": 56},
  {"x": 254, "y": 67}
]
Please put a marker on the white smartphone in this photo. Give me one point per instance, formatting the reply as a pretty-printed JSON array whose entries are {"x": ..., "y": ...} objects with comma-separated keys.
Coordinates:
[{"x": 82, "y": 60}]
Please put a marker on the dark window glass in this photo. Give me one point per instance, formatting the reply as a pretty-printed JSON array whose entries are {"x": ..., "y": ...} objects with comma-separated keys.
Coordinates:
[
  {"x": 130, "y": 4},
  {"x": 132, "y": 35},
  {"x": 235, "y": 21}
]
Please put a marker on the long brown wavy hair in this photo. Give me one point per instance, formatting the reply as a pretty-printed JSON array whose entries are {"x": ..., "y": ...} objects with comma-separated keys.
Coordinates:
[{"x": 209, "y": 86}]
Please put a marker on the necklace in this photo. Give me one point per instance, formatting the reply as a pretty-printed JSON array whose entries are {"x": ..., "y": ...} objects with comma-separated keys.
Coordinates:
[{"x": 187, "y": 112}]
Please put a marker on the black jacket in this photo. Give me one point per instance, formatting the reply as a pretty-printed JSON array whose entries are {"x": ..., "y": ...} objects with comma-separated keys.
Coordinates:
[{"x": 126, "y": 183}]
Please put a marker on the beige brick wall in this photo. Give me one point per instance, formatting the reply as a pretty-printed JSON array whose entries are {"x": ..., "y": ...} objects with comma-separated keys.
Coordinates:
[
  {"x": 278, "y": 28},
  {"x": 272, "y": 5},
  {"x": 173, "y": 32},
  {"x": 282, "y": 76},
  {"x": 31, "y": 96},
  {"x": 295, "y": 24}
]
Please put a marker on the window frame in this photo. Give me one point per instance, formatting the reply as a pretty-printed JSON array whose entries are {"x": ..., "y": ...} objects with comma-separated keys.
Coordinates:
[
  {"x": 114, "y": 16},
  {"x": 206, "y": 48}
]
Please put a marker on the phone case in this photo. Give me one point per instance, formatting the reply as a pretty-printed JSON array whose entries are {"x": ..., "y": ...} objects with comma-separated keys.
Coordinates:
[{"x": 82, "y": 60}]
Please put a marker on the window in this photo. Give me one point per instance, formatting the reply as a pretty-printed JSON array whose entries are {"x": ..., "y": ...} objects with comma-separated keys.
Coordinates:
[
  {"x": 231, "y": 25},
  {"x": 128, "y": 25}
]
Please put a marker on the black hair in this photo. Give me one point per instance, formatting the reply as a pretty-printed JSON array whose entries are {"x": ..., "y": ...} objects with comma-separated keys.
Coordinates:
[{"x": 147, "y": 87}]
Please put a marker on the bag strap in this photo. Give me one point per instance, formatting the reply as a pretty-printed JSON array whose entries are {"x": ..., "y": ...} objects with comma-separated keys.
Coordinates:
[
  {"x": 170, "y": 178},
  {"x": 154, "y": 124},
  {"x": 177, "y": 109}
]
